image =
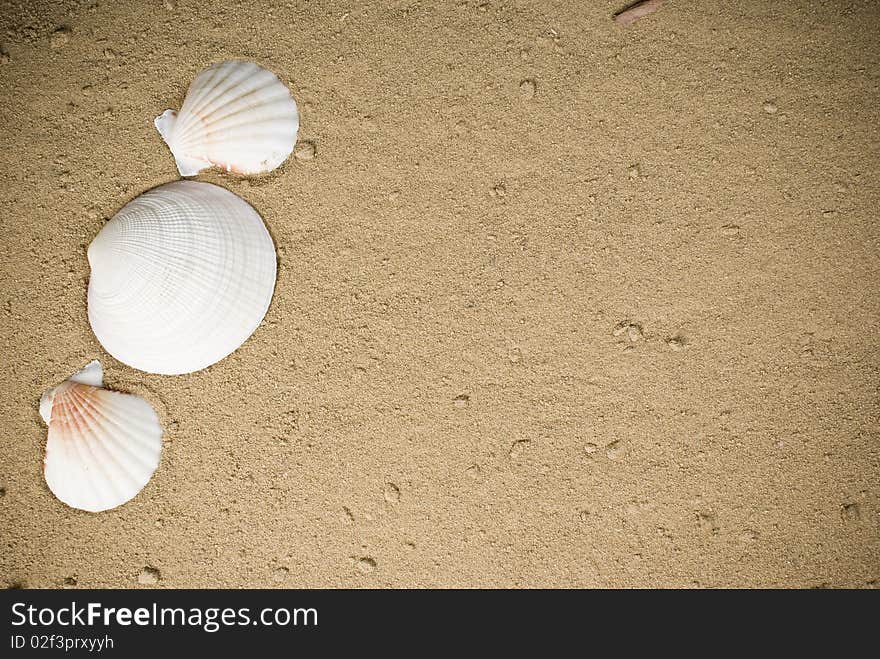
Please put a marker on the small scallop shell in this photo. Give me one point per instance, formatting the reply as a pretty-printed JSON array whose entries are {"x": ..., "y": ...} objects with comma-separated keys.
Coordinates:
[
  {"x": 237, "y": 116},
  {"x": 181, "y": 277},
  {"x": 103, "y": 446}
]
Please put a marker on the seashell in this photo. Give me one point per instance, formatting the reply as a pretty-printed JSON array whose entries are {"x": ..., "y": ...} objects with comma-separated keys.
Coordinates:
[
  {"x": 181, "y": 277},
  {"x": 103, "y": 445},
  {"x": 237, "y": 116}
]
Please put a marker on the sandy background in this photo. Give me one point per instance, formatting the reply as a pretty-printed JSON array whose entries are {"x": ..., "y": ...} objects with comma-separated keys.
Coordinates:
[{"x": 439, "y": 395}]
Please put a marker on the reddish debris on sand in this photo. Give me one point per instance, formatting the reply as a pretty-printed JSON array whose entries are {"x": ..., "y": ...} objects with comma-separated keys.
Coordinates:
[{"x": 637, "y": 11}]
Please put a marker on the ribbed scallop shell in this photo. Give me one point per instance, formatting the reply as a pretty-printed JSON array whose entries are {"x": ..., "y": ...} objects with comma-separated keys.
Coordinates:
[
  {"x": 103, "y": 446},
  {"x": 181, "y": 277},
  {"x": 237, "y": 116}
]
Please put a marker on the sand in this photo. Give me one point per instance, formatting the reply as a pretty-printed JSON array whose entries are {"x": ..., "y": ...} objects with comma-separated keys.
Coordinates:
[{"x": 559, "y": 303}]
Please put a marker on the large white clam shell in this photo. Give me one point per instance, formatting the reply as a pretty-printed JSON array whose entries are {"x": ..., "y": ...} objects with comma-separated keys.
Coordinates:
[
  {"x": 181, "y": 277},
  {"x": 237, "y": 116},
  {"x": 103, "y": 446}
]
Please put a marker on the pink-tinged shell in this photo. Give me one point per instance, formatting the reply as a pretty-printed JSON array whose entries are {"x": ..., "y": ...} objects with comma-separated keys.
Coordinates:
[
  {"x": 103, "y": 446},
  {"x": 237, "y": 116}
]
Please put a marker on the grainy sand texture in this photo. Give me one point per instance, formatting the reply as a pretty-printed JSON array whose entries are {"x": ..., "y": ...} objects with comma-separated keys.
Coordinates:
[{"x": 559, "y": 303}]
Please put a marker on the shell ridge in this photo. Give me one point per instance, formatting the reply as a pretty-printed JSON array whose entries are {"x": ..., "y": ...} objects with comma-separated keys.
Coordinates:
[
  {"x": 231, "y": 73},
  {"x": 146, "y": 425},
  {"x": 202, "y": 93},
  {"x": 280, "y": 123},
  {"x": 85, "y": 487},
  {"x": 94, "y": 447},
  {"x": 118, "y": 479},
  {"x": 214, "y": 113},
  {"x": 263, "y": 134},
  {"x": 204, "y": 80},
  {"x": 142, "y": 430}
]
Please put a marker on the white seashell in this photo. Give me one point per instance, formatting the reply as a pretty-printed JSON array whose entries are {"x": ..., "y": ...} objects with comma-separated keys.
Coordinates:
[
  {"x": 103, "y": 446},
  {"x": 181, "y": 277},
  {"x": 237, "y": 116}
]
